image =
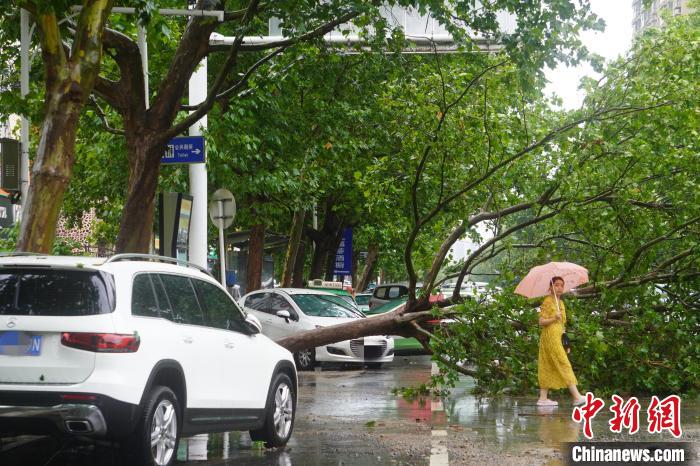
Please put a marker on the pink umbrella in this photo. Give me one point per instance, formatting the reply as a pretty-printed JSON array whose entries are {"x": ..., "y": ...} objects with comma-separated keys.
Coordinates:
[{"x": 536, "y": 282}]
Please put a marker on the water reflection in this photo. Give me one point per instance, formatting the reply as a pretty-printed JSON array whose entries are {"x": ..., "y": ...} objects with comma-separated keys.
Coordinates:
[
  {"x": 513, "y": 423},
  {"x": 555, "y": 430},
  {"x": 227, "y": 445}
]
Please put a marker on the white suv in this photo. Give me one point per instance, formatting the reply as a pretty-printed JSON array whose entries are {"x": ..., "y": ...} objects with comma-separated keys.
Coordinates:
[{"x": 136, "y": 349}]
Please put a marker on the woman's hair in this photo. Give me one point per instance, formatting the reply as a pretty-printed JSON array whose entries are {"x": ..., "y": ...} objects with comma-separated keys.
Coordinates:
[{"x": 554, "y": 279}]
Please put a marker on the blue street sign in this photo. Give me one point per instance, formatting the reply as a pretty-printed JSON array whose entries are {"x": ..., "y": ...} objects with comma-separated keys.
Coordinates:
[
  {"x": 184, "y": 150},
  {"x": 343, "y": 256}
]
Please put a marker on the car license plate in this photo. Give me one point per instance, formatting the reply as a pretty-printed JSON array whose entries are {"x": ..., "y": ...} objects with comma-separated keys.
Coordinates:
[{"x": 15, "y": 343}]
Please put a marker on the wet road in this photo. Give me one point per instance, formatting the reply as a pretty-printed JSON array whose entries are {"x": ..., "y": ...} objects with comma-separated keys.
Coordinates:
[
  {"x": 344, "y": 416},
  {"x": 351, "y": 417}
]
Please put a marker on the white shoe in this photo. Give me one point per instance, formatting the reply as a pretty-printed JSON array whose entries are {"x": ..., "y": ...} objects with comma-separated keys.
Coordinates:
[{"x": 546, "y": 403}]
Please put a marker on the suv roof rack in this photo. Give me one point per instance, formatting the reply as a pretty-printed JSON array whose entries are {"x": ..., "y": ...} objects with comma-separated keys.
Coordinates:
[
  {"x": 155, "y": 258},
  {"x": 20, "y": 253}
]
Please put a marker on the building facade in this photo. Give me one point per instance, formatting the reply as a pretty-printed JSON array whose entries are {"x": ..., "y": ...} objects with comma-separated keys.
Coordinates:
[{"x": 644, "y": 18}]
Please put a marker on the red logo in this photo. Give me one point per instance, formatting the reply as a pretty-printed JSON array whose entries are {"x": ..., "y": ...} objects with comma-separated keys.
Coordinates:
[
  {"x": 587, "y": 412},
  {"x": 665, "y": 415},
  {"x": 625, "y": 415}
]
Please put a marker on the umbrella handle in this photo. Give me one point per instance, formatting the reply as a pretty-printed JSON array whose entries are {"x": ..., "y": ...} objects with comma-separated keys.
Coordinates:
[{"x": 556, "y": 300}]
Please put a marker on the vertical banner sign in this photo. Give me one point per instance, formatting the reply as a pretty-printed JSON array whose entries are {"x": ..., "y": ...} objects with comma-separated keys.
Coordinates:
[{"x": 343, "y": 256}]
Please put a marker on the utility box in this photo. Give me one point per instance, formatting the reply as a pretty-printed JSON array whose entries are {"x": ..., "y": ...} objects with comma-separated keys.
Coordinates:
[{"x": 10, "y": 153}]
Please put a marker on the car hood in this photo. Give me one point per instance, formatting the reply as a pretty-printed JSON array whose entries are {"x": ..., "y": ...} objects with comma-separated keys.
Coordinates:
[{"x": 328, "y": 321}]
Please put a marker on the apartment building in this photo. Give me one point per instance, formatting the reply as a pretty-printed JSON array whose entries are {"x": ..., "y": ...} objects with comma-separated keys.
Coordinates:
[{"x": 644, "y": 18}]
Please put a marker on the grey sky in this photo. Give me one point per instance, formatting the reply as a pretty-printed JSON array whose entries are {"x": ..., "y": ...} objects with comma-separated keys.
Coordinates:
[{"x": 614, "y": 41}]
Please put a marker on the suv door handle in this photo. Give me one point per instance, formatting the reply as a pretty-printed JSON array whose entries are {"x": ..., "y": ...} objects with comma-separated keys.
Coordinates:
[
  {"x": 187, "y": 339},
  {"x": 229, "y": 345}
]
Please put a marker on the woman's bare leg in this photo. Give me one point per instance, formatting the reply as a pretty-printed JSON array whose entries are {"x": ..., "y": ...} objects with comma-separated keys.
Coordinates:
[
  {"x": 574, "y": 392},
  {"x": 543, "y": 393}
]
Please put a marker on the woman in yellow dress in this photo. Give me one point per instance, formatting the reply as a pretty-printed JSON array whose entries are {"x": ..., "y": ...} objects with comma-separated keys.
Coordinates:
[{"x": 553, "y": 367}]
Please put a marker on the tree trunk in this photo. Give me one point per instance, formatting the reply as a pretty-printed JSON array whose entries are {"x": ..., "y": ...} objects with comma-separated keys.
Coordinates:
[
  {"x": 51, "y": 173},
  {"x": 293, "y": 247},
  {"x": 298, "y": 280},
  {"x": 317, "y": 261},
  {"x": 136, "y": 226},
  {"x": 370, "y": 262},
  {"x": 383, "y": 324},
  {"x": 330, "y": 254},
  {"x": 325, "y": 241},
  {"x": 69, "y": 82},
  {"x": 355, "y": 266},
  {"x": 256, "y": 249}
]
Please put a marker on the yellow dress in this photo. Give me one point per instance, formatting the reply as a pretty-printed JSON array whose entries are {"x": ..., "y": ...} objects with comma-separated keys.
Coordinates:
[{"x": 553, "y": 367}]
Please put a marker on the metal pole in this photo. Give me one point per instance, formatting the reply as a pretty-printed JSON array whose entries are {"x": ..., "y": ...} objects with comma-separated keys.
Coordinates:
[
  {"x": 24, "y": 89},
  {"x": 143, "y": 49},
  {"x": 218, "y": 14},
  {"x": 198, "y": 175},
  {"x": 222, "y": 246}
]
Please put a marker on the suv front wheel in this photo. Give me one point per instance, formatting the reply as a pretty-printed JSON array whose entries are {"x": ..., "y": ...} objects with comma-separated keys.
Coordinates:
[
  {"x": 156, "y": 437},
  {"x": 279, "y": 414}
]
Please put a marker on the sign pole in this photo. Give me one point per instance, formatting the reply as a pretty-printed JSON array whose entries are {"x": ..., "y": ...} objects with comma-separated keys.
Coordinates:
[
  {"x": 222, "y": 250},
  {"x": 198, "y": 173},
  {"x": 25, "y": 38},
  {"x": 222, "y": 211}
]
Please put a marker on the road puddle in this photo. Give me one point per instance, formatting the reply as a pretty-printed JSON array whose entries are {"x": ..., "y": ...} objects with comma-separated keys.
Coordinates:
[{"x": 516, "y": 424}]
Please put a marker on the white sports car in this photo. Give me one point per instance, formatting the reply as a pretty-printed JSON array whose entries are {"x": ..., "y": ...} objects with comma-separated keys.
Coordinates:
[{"x": 286, "y": 311}]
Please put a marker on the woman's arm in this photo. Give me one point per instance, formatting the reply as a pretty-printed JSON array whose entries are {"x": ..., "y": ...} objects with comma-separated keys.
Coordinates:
[
  {"x": 547, "y": 309},
  {"x": 544, "y": 321}
]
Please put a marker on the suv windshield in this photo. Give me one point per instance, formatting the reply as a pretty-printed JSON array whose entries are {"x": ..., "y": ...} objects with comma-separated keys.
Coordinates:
[
  {"x": 51, "y": 292},
  {"x": 319, "y": 305}
]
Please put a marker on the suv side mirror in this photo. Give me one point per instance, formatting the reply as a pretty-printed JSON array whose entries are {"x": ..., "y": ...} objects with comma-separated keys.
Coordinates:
[
  {"x": 284, "y": 314},
  {"x": 253, "y": 324}
]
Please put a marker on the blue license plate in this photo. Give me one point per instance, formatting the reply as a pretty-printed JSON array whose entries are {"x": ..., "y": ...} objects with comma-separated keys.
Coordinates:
[{"x": 15, "y": 343}]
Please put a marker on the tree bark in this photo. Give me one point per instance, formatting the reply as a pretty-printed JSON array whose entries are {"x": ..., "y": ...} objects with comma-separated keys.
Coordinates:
[
  {"x": 293, "y": 247},
  {"x": 355, "y": 265},
  {"x": 69, "y": 82},
  {"x": 391, "y": 323},
  {"x": 330, "y": 254},
  {"x": 325, "y": 240},
  {"x": 370, "y": 262},
  {"x": 298, "y": 281},
  {"x": 256, "y": 250},
  {"x": 136, "y": 226},
  {"x": 51, "y": 172},
  {"x": 317, "y": 261}
]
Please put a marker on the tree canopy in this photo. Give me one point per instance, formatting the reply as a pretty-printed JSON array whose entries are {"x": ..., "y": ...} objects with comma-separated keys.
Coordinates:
[{"x": 416, "y": 151}]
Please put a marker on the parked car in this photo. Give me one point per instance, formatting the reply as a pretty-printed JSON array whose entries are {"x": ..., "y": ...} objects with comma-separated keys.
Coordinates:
[
  {"x": 287, "y": 311},
  {"x": 336, "y": 288},
  {"x": 362, "y": 300},
  {"x": 137, "y": 348},
  {"x": 385, "y": 293}
]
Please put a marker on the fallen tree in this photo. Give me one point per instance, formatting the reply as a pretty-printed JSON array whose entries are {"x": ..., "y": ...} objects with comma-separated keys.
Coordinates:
[{"x": 607, "y": 187}]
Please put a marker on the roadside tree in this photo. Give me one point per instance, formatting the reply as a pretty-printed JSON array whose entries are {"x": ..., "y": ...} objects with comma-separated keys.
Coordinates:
[{"x": 542, "y": 35}]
